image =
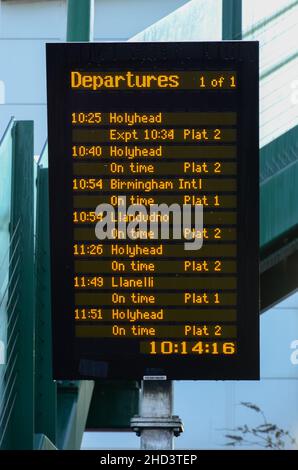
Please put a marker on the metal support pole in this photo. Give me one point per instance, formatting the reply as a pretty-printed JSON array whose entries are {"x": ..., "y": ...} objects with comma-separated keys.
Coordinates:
[
  {"x": 155, "y": 424},
  {"x": 80, "y": 20},
  {"x": 232, "y": 19}
]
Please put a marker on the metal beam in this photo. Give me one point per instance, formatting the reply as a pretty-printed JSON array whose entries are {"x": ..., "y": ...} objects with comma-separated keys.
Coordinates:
[
  {"x": 80, "y": 20},
  {"x": 279, "y": 191},
  {"x": 280, "y": 280},
  {"x": 232, "y": 19},
  {"x": 279, "y": 218}
]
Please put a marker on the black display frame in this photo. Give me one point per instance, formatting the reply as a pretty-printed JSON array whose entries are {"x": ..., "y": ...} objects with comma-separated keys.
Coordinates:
[{"x": 77, "y": 358}]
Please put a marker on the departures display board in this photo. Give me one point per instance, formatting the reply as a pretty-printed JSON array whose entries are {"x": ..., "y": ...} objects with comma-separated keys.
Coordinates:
[{"x": 130, "y": 126}]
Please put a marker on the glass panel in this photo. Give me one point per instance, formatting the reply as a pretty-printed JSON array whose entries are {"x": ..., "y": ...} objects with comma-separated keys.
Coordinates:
[
  {"x": 43, "y": 159},
  {"x": 5, "y": 200}
]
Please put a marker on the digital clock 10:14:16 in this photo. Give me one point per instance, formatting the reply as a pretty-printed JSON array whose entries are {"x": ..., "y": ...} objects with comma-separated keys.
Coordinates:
[{"x": 188, "y": 347}]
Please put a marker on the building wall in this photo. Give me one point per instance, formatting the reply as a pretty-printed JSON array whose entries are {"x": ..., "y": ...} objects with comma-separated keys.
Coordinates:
[
  {"x": 198, "y": 20},
  {"x": 275, "y": 26},
  {"x": 118, "y": 20},
  {"x": 25, "y": 27}
]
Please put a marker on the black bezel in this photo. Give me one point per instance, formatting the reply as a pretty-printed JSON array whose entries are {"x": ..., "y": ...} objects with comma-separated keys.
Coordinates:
[{"x": 70, "y": 353}]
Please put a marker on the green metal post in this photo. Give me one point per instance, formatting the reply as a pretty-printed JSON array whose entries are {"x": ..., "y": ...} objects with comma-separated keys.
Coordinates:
[
  {"x": 232, "y": 19},
  {"x": 22, "y": 217},
  {"x": 80, "y": 20},
  {"x": 45, "y": 387}
]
